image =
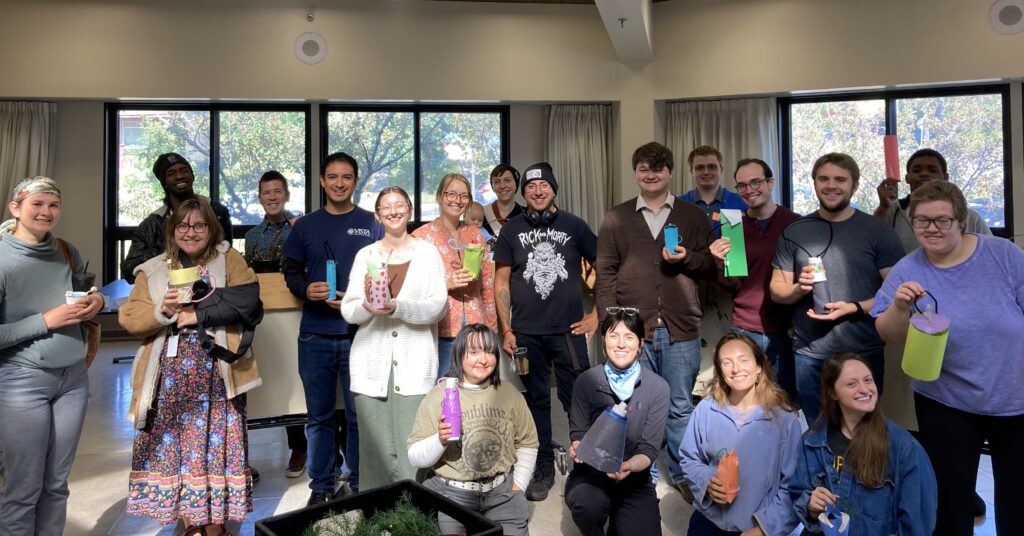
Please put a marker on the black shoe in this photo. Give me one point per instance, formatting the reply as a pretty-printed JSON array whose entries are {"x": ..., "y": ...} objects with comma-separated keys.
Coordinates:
[
  {"x": 318, "y": 497},
  {"x": 979, "y": 506},
  {"x": 542, "y": 481},
  {"x": 255, "y": 475}
]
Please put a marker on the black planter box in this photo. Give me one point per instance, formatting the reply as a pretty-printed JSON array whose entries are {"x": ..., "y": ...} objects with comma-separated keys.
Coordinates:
[{"x": 373, "y": 501}]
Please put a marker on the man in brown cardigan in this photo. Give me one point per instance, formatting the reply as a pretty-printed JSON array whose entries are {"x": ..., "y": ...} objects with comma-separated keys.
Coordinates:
[{"x": 634, "y": 269}]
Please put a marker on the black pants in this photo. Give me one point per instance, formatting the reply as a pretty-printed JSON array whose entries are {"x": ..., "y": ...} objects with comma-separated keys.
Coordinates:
[
  {"x": 953, "y": 440},
  {"x": 296, "y": 437},
  {"x": 543, "y": 352},
  {"x": 632, "y": 503},
  {"x": 700, "y": 525}
]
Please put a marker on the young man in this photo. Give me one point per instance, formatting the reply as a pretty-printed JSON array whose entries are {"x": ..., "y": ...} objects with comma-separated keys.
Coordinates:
[
  {"x": 335, "y": 232},
  {"x": 706, "y": 166},
  {"x": 635, "y": 270},
  {"x": 504, "y": 184},
  {"x": 923, "y": 166},
  {"x": 538, "y": 285},
  {"x": 857, "y": 252},
  {"x": 754, "y": 314},
  {"x": 176, "y": 177}
]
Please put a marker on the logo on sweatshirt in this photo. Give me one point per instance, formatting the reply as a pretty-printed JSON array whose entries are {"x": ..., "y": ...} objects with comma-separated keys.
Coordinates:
[{"x": 359, "y": 232}]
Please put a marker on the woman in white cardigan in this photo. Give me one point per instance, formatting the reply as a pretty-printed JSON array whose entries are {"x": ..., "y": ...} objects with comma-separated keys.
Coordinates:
[{"x": 394, "y": 354}]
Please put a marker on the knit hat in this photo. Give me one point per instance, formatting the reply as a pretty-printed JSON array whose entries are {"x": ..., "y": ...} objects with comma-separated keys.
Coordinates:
[
  {"x": 165, "y": 161},
  {"x": 541, "y": 171}
]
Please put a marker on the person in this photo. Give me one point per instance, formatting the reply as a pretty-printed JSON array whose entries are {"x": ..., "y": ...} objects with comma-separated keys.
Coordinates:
[
  {"x": 176, "y": 177},
  {"x": 395, "y": 349},
  {"x": 978, "y": 283},
  {"x": 625, "y": 499},
  {"x": 504, "y": 184},
  {"x": 44, "y": 388},
  {"x": 923, "y": 166},
  {"x": 633, "y": 267},
  {"x": 706, "y": 166},
  {"x": 746, "y": 412},
  {"x": 538, "y": 285},
  {"x": 470, "y": 297},
  {"x": 189, "y": 457},
  {"x": 475, "y": 215},
  {"x": 333, "y": 233},
  {"x": 487, "y": 468},
  {"x": 860, "y": 463},
  {"x": 857, "y": 252},
  {"x": 754, "y": 314}
]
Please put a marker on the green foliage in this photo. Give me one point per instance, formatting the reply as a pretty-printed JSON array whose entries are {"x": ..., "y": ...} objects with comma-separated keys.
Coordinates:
[{"x": 405, "y": 519}]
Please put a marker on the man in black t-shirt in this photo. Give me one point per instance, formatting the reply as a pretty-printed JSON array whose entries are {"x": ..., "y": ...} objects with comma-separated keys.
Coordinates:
[{"x": 538, "y": 285}]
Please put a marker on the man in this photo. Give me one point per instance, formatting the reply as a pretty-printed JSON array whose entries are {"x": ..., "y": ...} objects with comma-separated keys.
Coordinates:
[
  {"x": 923, "y": 166},
  {"x": 504, "y": 184},
  {"x": 335, "y": 232},
  {"x": 176, "y": 177},
  {"x": 538, "y": 284},
  {"x": 754, "y": 314},
  {"x": 857, "y": 252},
  {"x": 635, "y": 270},
  {"x": 706, "y": 167}
]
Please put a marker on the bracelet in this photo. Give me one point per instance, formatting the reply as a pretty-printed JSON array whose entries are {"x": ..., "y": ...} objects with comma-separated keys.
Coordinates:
[
  {"x": 860, "y": 308},
  {"x": 506, "y": 332}
]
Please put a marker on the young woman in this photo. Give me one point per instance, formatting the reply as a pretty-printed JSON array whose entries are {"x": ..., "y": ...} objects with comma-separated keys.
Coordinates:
[
  {"x": 746, "y": 412},
  {"x": 470, "y": 299},
  {"x": 44, "y": 388},
  {"x": 490, "y": 465},
  {"x": 189, "y": 458},
  {"x": 626, "y": 496},
  {"x": 504, "y": 184},
  {"x": 860, "y": 462},
  {"x": 394, "y": 353}
]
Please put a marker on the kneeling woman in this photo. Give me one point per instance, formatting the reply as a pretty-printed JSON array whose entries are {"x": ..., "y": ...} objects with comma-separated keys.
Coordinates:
[
  {"x": 488, "y": 468},
  {"x": 860, "y": 462},
  {"x": 627, "y": 496},
  {"x": 745, "y": 412}
]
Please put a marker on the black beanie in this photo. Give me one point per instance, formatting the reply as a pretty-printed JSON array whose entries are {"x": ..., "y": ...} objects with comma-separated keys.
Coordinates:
[
  {"x": 541, "y": 171},
  {"x": 165, "y": 161}
]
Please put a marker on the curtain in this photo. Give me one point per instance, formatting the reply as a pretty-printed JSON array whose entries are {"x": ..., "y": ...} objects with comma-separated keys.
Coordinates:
[
  {"x": 579, "y": 151},
  {"x": 739, "y": 128},
  {"x": 26, "y": 144}
]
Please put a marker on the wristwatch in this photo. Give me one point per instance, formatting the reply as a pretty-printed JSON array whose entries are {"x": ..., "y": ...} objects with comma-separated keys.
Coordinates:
[{"x": 860, "y": 308}]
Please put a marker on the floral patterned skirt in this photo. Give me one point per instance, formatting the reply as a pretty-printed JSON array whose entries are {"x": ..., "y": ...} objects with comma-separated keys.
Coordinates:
[{"x": 191, "y": 459}]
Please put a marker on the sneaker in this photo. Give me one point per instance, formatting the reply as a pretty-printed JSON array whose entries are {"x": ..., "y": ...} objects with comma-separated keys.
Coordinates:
[
  {"x": 296, "y": 465},
  {"x": 979, "y": 506},
  {"x": 542, "y": 481},
  {"x": 685, "y": 490},
  {"x": 318, "y": 497},
  {"x": 255, "y": 475}
]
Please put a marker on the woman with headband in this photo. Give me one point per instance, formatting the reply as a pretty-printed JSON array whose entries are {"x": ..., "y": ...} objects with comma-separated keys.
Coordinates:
[{"x": 44, "y": 388}]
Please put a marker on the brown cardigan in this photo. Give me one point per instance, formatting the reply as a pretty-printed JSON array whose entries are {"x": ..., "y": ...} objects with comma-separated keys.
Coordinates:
[{"x": 632, "y": 273}]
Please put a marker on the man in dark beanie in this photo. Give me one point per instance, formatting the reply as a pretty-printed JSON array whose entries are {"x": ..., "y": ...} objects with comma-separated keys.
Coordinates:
[{"x": 176, "y": 177}]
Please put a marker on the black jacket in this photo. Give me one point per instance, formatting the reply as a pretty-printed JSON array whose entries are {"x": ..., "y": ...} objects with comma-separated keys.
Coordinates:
[{"x": 148, "y": 241}]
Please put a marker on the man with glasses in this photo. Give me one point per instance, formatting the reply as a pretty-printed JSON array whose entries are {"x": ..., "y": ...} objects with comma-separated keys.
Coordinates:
[
  {"x": 754, "y": 314},
  {"x": 538, "y": 285},
  {"x": 634, "y": 269},
  {"x": 706, "y": 166}
]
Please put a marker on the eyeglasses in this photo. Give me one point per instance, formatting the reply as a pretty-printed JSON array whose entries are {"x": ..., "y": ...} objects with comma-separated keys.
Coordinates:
[
  {"x": 629, "y": 311},
  {"x": 942, "y": 224},
  {"x": 700, "y": 168},
  {"x": 753, "y": 184},
  {"x": 452, "y": 196},
  {"x": 198, "y": 227},
  {"x": 399, "y": 209}
]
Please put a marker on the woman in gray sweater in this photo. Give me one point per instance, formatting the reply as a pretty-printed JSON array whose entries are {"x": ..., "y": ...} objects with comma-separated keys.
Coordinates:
[{"x": 43, "y": 382}]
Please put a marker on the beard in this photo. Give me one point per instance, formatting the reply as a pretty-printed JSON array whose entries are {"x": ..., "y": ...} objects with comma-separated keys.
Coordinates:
[{"x": 837, "y": 208}]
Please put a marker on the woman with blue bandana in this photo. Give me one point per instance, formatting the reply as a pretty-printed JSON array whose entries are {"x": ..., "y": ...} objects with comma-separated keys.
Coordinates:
[
  {"x": 44, "y": 388},
  {"x": 627, "y": 496}
]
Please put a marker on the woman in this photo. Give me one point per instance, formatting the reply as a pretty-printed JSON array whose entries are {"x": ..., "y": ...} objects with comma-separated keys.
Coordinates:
[
  {"x": 859, "y": 462},
  {"x": 394, "y": 353},
  {"x": 747, "y": 412},
  {"x": 470, "y": 299},
  {"x": 490, "y": 465},
  {"x": 978, "y": 282},
  {"x": 43, "y": 384},
  {"x": 626, "y": 496},
  {"x": 189, "y": 459},
  {"x": 504, "y": 183}
]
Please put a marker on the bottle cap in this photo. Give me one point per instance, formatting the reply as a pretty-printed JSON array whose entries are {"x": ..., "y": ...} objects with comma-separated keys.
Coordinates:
[
  {"x": 450, "y": 383},
  {"x": 619, "y": 409}
]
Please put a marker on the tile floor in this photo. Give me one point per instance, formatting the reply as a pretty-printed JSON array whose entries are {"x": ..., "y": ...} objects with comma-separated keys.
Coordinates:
[{"x": 99, "y": 478}]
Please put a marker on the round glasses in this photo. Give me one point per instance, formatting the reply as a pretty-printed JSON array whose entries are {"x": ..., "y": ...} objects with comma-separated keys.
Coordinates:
[{"x": 198, "y": 227}]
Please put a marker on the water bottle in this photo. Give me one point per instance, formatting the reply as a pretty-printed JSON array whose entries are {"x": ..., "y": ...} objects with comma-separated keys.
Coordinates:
[
  {"x": 451, "y": 408},
  {"x": 604, "y": 444},
  {"x": 332, "y": 278},
  {"x": 671, "y": 238},
  {"x": 819, "y": 288}
]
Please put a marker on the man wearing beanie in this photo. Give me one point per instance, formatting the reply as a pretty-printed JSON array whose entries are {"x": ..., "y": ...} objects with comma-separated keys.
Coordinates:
[
  {"x": 538, "y": 285},
  {"x": 176, "y": 177}
]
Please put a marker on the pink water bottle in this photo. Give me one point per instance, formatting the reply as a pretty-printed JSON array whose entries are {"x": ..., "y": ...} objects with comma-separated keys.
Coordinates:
[{"x": 451, "y": 408}]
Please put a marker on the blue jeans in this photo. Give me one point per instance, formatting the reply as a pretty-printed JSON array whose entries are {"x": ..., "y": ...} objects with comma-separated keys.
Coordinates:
[
  {"x": 444, "y": 355},
  {"x": 323, "y": 359},
  {"x": 808, "y": 380},
  {"x": 779, "y": 349},
  {"x": 543, "y": 352},
  {"x": 678, "y": 363}
]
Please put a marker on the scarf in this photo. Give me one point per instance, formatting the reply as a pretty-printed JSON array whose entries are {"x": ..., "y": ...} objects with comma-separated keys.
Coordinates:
[{"x": 622, "y": 382}]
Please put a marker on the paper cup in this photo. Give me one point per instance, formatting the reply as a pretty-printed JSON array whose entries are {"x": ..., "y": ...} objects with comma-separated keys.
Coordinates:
[{"x": 73, "y": 296}]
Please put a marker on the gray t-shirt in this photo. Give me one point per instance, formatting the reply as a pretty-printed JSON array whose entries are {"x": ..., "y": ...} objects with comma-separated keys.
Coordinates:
[{"x": 861, "y": 246}]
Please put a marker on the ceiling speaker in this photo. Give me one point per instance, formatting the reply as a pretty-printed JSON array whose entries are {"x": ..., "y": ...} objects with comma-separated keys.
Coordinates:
[
  {"x": 310, "y": 48},
  {"x": 1007, "y": 16}
]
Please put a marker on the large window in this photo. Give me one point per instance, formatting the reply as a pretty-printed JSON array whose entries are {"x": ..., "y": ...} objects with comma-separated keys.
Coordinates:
[{"x": 968, "y": 126}]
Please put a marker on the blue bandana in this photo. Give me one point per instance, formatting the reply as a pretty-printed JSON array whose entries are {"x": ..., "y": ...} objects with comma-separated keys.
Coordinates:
[{"x": 622, "y": 382}]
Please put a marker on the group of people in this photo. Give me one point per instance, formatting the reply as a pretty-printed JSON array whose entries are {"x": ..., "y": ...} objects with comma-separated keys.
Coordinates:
[{"x": 388, "y": 312}]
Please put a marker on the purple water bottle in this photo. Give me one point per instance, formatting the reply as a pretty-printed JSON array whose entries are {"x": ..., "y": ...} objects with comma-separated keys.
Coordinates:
[{"x": 451, "y": 408}]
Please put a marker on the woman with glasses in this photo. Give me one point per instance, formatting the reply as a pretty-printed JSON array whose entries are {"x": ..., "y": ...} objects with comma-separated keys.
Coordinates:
[
  {"x": 470, "y": 298},
  {"x": 626, "y": 496},
  {"x": 977, "y": 281},
  {"x": 394, "y": 352},
  {"x": 189, "y": 458}
]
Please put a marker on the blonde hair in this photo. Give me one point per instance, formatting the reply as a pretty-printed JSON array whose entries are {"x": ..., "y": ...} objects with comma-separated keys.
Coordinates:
[
  {"x": 446, "y": 181},
  {"x": 767, "y": 393}
]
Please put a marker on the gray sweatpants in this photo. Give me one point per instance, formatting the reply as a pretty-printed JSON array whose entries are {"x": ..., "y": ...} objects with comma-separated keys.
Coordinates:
[{"x": 501, "y": 505}]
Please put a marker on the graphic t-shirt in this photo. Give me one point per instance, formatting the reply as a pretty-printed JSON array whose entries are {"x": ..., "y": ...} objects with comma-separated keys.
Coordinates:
[{"x": 546, "y": 284}]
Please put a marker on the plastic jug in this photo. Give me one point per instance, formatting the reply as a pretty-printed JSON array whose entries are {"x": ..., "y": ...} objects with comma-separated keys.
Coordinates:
[
  {"x": 927, "y": 335},
  {"x": 728, "y": 474},
  {"x": 472, "y": 258},
  {"x": 603, "y": 445},
  {"x": 819, "y": 288},
  {"x": 833, "y": 522},
  {"x": 380, "y": 294},
  {"x": 451, "y": 408}
]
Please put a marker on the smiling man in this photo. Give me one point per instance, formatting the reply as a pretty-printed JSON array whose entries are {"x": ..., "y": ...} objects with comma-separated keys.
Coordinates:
[
  {"x": 504, "y": 184},
  {"x": 706, "y": 166}
]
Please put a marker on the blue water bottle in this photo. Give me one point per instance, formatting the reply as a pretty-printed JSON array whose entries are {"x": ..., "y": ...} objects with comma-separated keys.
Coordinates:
[
  {"x": 671, "y": 238},
  {"x": 332, "y": 278}
]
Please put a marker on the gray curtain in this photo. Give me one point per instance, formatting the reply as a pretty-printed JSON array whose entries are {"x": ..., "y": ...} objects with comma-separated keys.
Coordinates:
[
  {"x": 579, "y": 151},
  {"x": 26, "y": 144}
]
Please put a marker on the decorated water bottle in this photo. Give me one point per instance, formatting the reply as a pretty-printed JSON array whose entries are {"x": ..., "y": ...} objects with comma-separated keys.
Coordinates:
[
  {"x": 820, "y": 287},
  {"x": 927, "y": 336},
  {"x": 604, "y": 444},
  {"x": 833, "y": 522},
  {"x": 451, "y": 408}
]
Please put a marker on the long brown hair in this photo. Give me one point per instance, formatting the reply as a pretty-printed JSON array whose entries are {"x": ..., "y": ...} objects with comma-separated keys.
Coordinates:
[
  {"x": 767, "y": 393},
  {"x": 213, "y": 231},
  {"x": 868, "y": 455}
]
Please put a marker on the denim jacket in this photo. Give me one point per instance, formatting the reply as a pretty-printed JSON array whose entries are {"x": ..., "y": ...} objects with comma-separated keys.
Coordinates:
[{"x": 905, "y": 504}]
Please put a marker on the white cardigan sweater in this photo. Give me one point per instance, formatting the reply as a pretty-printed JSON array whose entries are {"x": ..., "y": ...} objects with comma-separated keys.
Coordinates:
[{"x": 405, "y": 340}]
